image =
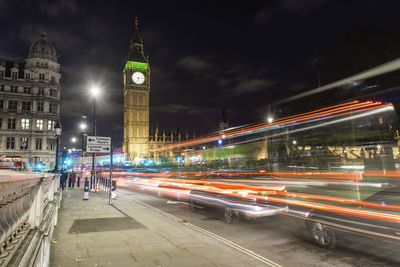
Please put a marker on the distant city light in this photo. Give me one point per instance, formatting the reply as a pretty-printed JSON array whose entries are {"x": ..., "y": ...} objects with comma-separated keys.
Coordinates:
[
  {"x": 204, "y": 147},
  {"x": 219, "y": 141},
  {"x": 294, "y": 142}
]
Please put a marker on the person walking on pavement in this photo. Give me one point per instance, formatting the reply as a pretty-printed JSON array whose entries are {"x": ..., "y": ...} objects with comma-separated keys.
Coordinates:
[
  {"x": 72, "y": 178},
  {"x": 63, "y": 179},
  {"x": 69, "y": 180}
]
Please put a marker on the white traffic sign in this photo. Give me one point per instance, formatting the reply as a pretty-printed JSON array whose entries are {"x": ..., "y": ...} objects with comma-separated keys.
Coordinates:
[{"x": 98, "y": 144}]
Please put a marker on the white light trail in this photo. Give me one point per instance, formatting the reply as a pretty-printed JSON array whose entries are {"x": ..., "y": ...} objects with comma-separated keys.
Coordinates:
[{"x": 382, "y": 69}]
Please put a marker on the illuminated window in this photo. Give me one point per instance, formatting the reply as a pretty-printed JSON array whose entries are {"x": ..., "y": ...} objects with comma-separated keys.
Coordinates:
[
  {"x": 23, "y": 143},
  {"x": 39, "y": 124},
  {"x": 50, "y": 125},
  {"x": 25, "y": 124}
]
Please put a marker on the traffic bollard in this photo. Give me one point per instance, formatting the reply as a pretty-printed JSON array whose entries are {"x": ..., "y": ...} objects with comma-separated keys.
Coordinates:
[
  {"x": 79, "y": 182},
  {"x": 86, "y": 190},
  {"x": 114, "y": 189}
]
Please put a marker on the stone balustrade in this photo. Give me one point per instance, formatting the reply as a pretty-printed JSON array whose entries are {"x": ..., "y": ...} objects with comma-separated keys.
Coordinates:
[{"x": 28, "y": 213}]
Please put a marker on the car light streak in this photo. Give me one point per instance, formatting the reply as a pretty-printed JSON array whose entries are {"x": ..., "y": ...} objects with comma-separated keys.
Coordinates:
[
  {"x": 351, "y": 108},
  {"x": 362, "y": 213},
  {"x": 171, "y": 188}
]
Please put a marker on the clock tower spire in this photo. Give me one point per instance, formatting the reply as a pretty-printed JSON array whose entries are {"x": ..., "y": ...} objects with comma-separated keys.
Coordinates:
[
  {"x": 136, "y": 47},
  {"x": 136, "y": 76}
]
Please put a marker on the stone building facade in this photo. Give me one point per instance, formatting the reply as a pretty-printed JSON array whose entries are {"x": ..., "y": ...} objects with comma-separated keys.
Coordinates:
[
  {"x": 158, "y": 139},
  {"x": 30, "y": 105}
]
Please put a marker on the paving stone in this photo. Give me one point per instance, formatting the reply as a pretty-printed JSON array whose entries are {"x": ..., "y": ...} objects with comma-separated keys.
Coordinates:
[{"x": 93, "y": 233}]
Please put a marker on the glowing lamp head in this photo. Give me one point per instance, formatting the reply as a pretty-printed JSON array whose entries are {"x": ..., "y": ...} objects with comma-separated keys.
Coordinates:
[
  {"x": 219, "y": 141},
  {"x": 95, "y": 91},
  {"x": 270, "y": 119},
  {"x": 73, "y": 139},
  {"x": 82, "y": 126}
]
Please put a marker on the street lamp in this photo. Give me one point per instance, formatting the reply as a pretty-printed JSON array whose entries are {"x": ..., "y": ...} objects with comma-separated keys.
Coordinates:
[
  {"x": 94, "y": 91},
  {"x": 58, "y": 130},
  {"x": 82, "y": 126}
]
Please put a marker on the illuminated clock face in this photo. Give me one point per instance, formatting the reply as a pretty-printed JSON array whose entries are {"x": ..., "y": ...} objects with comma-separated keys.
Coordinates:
[{"x": 138, "y": 77}]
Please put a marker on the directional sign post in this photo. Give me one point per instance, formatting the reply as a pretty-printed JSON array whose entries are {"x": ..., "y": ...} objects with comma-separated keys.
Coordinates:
[{"x": 98, "y": 144}]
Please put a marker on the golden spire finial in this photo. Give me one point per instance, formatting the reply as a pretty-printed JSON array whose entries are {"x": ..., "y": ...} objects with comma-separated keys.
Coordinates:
[{"x": 136, "y": 21}]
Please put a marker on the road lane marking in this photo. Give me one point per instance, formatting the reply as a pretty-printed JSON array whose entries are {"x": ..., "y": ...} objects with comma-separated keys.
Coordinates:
[
  {"x": 234, "y": 245},
  {"x": 214, "y": 236}
]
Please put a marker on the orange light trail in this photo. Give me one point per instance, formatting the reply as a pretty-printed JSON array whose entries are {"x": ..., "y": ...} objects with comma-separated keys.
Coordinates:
[
  {"x": 183, "y": 187},
  {"x": 328, "y": 112}
]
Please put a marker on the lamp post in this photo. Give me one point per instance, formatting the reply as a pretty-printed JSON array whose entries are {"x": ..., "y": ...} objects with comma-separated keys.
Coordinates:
[
  {"x": 82, "y": 126},
  {"x": 58, "y": 130},
  {"x": 94, "y": 92}
]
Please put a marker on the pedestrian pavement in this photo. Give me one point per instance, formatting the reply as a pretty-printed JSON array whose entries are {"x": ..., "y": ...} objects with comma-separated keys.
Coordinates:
[{"x": 130, "y": 233}]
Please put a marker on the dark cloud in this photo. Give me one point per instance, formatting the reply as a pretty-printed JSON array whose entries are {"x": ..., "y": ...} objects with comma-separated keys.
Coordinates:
[
  {"x": 171, "y": 108},
  {"x": 287, "y": 7},
  {"x": 194, "y": 64},
  {"x": 57, "y": 9},
  {"x": 251, "y": 86}
]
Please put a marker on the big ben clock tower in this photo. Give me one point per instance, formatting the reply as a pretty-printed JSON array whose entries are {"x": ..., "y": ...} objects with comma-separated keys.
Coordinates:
[{"x": 136, "y": 101}]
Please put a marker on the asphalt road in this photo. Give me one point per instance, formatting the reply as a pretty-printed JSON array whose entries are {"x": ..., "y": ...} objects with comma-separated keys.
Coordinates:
[{"x": 282, "y": 238}]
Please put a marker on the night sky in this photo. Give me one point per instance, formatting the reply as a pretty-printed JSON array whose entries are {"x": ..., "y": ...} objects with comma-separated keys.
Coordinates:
[{"x": 202, "y": 54}]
